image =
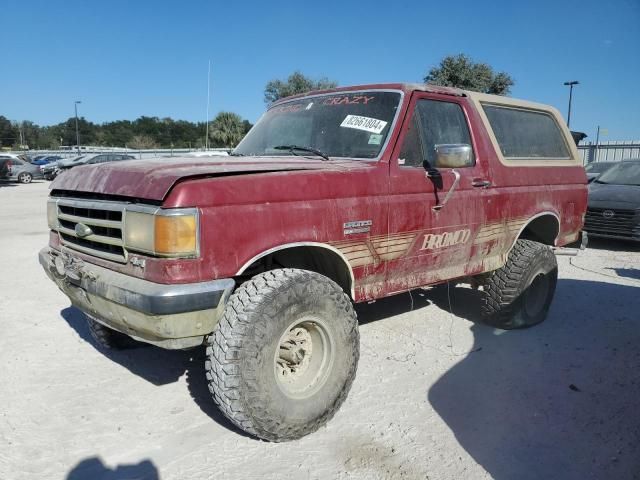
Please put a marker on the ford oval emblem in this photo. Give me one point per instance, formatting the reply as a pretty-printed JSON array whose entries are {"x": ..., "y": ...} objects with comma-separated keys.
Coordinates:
[
  {"x": 82, "y": 230},
  {"x": 608, "y": 214}
]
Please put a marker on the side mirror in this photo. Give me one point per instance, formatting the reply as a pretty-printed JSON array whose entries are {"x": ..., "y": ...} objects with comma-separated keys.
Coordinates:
[{"x": 453, "y": 155}]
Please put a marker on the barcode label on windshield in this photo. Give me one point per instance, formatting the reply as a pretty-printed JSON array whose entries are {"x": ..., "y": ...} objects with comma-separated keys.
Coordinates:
[{"x": 366, "y": 124}]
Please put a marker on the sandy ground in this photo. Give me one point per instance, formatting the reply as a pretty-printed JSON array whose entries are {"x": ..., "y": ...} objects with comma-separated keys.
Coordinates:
[{"x": 437, "y": 396}]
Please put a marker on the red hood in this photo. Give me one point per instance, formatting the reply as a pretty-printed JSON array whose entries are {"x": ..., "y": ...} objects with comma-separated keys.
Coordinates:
[{"x": 152, "y": 179}]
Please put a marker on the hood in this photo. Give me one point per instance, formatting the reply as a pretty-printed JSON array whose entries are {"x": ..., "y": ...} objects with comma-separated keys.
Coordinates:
[
  {"x": 152, "y": 179},
  {"x": 614, "y": 196}
]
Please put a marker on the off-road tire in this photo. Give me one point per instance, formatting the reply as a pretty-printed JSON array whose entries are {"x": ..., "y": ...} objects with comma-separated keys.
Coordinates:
[
  {"x": 242, "y": 353},
  {"x": 108, "y": 339},
  {"x": 519, "y": 294}
]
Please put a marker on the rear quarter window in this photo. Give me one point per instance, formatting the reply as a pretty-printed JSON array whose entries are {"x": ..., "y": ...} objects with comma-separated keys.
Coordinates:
[{"x": 526, "y": 134}]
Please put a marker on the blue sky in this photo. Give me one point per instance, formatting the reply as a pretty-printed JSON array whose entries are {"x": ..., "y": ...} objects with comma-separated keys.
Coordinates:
[{"x": 124, "y": 59}]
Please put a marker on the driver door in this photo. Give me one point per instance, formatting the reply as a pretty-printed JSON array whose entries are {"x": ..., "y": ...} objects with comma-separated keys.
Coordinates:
[{"x": 433, "y": 219}]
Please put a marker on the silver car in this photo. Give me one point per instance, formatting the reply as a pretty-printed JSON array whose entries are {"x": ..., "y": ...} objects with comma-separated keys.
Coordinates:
[
  {"x": 19, "y": 170},
  {"x": 51, "y": 170},
  {"x": 63, "y": 165}
]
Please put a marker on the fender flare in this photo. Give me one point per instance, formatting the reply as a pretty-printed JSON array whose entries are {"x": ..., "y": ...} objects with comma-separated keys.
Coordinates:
[
  {"x": 286, "y": 246},
  {"x": 528, "y": 222}
]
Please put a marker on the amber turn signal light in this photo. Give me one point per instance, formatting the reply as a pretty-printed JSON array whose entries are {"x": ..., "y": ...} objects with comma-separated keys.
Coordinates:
[{"x": 175, "y": 235}]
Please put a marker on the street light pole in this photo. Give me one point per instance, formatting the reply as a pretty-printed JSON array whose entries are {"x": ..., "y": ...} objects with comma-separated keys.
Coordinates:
[
  {"x": 75, "y": 105},
  {"x": 570, "y": 84}
]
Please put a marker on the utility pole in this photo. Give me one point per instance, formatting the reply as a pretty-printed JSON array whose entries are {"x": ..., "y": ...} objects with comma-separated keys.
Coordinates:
[
  {"x": 570, "y": 85},
  {"x": 75, "y": 105},
  {"x": 206, "y": 139}
]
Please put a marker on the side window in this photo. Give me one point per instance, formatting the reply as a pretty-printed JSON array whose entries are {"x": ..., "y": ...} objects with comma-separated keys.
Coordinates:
[
  {"x": 442, "y": 123},
  {"x": 411, "y": 154},
  {"x": 526, "y": 134}
]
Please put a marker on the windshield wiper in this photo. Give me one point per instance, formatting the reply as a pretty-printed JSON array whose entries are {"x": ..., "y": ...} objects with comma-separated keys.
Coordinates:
[{"x": 293, "y": 148}]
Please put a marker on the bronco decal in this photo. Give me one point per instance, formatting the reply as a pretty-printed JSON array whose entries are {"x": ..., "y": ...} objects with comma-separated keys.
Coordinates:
[
  {"x": 384, "y": 248},
  {"x": 433, "y": 241}
]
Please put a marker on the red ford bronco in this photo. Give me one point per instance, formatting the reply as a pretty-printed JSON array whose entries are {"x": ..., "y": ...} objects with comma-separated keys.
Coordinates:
[{"x": 333, "y": 197}]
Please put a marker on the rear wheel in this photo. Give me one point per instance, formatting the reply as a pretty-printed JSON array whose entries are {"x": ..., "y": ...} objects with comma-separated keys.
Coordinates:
[
  {"x": 519, "y": 294},
  {"x": 25, "y": 177},
  {"x": 283, "y": 357}
]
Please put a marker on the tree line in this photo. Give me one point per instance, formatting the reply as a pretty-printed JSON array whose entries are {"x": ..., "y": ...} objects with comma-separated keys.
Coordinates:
[{"x": 227, "y": 128}]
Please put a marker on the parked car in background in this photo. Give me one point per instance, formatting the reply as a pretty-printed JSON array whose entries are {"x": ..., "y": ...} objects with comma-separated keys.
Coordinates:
[
  {"x": 51, "y": 170},
  {"x": 4, "y": 167},
  {"x": 46, "y": 159},
  {"x": 614, "y": 202},
  {"x": 596, "y": 168},
  {"x": 19, "y": 170},
  {"x": 93, "y": 159},
  {"x": 207, "y": 153}
]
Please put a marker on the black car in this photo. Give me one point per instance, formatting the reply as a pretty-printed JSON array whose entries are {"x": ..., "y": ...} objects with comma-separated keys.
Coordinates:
[
  {"x": 614, "y": 202},
  {"x": 596, "y": 168}
]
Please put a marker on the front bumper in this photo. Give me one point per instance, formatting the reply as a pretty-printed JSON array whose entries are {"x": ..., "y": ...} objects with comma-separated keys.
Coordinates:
[
  {"x": 635, "y": 238},
  {"x": 170, "y": 316}
]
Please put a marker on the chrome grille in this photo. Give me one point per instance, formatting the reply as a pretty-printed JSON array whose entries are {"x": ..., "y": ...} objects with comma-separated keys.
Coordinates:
[
  {"x": 105, "y": 220},
  {"x": 609, "y": 221}
]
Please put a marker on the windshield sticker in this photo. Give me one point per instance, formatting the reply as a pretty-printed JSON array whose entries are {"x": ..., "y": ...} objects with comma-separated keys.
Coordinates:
[
  {"x": 372, "y": 125},
  {"x": 296, "y": 107},
  {"x": 348, "y": 100},
  {"x": 328, "y": 101},
  {"x": 375, "y": 139}
]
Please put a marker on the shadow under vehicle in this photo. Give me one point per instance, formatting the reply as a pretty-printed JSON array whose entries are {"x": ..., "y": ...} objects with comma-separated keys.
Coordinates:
[{"x": 555, "y": 402}]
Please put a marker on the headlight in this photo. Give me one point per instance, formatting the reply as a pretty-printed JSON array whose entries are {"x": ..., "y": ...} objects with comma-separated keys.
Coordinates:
[
  {"x": 52, "y": 214},
  {"x": 167, "y": 233}
]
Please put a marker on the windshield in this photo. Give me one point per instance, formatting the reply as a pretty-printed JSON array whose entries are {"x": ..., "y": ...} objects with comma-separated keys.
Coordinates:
[
  {"x": 349, "y": 124},
  {"x": 598, "y": 167},
  {"x": 624, "y": 173}
]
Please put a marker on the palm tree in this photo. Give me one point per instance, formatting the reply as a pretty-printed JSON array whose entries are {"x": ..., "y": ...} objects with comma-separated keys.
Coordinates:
[{"x": 227, "y": 129}]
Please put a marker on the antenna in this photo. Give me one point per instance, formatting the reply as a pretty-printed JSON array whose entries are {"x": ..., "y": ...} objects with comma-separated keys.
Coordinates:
[{"x": 206, "y": 140}]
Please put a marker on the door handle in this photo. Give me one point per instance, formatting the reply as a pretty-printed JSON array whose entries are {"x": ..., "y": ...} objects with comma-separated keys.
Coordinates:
[{"x": 481, "y": 183}]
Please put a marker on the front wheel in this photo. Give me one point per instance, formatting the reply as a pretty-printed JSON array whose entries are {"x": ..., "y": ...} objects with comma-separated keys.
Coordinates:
[
  {"x": 25, "y": 177},
  {"x": 519, "y": 294},
  {"x": 108, "y": 339},
  {"x": 283, "y": 357}
]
